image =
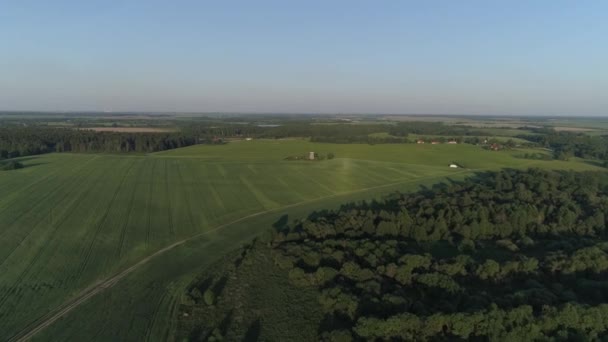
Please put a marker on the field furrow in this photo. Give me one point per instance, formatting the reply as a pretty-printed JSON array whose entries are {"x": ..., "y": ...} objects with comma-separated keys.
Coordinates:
[
  {"x": 129, "y": 209},
  {"x": 170, "y": 203},
  {"x": 100, "y": 223},
  {"x": 190, "y": 226}
]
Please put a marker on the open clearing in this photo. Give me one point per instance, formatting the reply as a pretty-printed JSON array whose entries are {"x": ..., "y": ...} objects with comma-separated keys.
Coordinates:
[
  {"x": 573, "y": 129},
  {"x": 68, "y": 221}
]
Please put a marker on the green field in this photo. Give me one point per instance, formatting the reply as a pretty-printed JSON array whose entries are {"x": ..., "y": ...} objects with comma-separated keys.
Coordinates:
[{"x": 68, "y": 221}]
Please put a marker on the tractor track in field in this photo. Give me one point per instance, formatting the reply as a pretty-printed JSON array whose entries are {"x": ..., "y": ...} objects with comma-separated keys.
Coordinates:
[
  {"x": 48, "y": 319},
  {"x": 33, "y": 227},
  {"x": 169, "y": 206},
  {"x": 157, "y": 306},
  {"x": 40, "y": 199},
  {"x": 312, "y": 180},
  {"x": 55, "y": 226},
  {"x": 102, "y": 219},
  {"x": 41, "y": 180},
  {"x": 149, "y": 205},
  {"x": 186, "y": 197},
  {"x": 123, "y": 229}
]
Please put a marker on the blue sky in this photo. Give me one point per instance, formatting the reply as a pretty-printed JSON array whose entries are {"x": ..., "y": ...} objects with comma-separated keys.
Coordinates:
[{"x": 414, "y": 57}]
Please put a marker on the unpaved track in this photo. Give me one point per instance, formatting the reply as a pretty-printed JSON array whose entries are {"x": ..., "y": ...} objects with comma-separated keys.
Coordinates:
[{"x": 43, "y": 322}]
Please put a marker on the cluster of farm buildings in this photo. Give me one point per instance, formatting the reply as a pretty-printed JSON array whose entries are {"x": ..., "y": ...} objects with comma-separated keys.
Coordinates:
[
  {"x": 436, "y": 142},
  {"x": 486, "y": 144}
]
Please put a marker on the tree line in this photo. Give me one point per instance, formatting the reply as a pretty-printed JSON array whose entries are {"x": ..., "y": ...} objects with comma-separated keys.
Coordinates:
[
  {"x": 24, "y": 141},
  {"x": 568, "y": 144},
  {"x": 333, "y": 132}
]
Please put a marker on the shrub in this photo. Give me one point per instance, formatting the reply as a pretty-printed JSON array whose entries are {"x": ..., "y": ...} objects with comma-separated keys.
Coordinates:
[
  {"x": 209, "y": 297},
  {"x": 298, "y": 277}
]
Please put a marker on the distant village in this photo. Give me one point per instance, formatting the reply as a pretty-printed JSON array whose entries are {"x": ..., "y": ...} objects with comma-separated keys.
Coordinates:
[
  {"x": 489, "y": 144},
  {"x": 436, "y": 142}
]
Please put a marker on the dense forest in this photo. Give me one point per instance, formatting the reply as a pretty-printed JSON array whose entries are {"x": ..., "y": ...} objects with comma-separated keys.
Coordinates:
[
  {"x": 568, "y": 144},
  {"x": 433, "y": 128},
  {"x": 24, "y": 141},
  {"x": 511, "y": 255},
  {"x": 17, "y": 140},
  {"x": 338, "y": 132},
  {"x": 562, "y": 144}
]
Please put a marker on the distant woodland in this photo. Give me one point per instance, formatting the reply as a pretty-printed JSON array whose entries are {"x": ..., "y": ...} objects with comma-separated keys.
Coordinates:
[
  {"x": 338, "y": 132},
  {"x": 24, "y": 141},
  {"x": 567, "y": 144},
  {"x": 16, "y": 141}
]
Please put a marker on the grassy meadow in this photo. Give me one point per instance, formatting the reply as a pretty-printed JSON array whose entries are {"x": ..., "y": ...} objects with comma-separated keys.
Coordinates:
[{"x": 70, "y": 220}]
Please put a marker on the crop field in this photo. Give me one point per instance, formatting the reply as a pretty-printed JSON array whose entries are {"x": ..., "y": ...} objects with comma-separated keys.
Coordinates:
[
  {"x": 71, "y": 221},
  {"x": 597, "y": 123}
]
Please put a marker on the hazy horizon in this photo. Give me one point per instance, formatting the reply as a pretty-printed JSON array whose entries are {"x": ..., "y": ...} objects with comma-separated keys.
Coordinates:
[
  {"x": 220, "y": 113},
  {"x": 546, "y": 58}
]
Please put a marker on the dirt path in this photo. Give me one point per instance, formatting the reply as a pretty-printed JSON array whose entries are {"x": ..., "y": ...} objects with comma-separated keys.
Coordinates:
[{"x": 45, "y": 321}]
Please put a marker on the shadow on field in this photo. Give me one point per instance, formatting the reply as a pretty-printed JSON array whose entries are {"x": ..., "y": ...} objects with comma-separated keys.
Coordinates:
[
  {"x": 5, "y": 167},
  {"x": 281, "y": 223},
  {"x": 253, "y": 332},
  {"x": 27, "y": 162},
  {"x": 603, "y": 164},
  {"x": 26, "y": 166},
  {"x": 202, "y": 286},
  {"x": 225, "y": 324},
  {"x": 219, "y": 286},
  {"x": 390, "y": 199}
]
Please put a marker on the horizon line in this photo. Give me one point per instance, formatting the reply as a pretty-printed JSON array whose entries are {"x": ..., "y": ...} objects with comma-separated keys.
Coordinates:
[{"x": 167, "y": 112}]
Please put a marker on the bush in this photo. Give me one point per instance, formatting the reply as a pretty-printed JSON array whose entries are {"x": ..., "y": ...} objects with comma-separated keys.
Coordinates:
[
  {"x": 299, "y": 278},
  {"x": 338, "y": 336},
  {"x": 194, "y": 296},
  {"x": 209, "y": 297},
  {"x": 324, "y": 275}
]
